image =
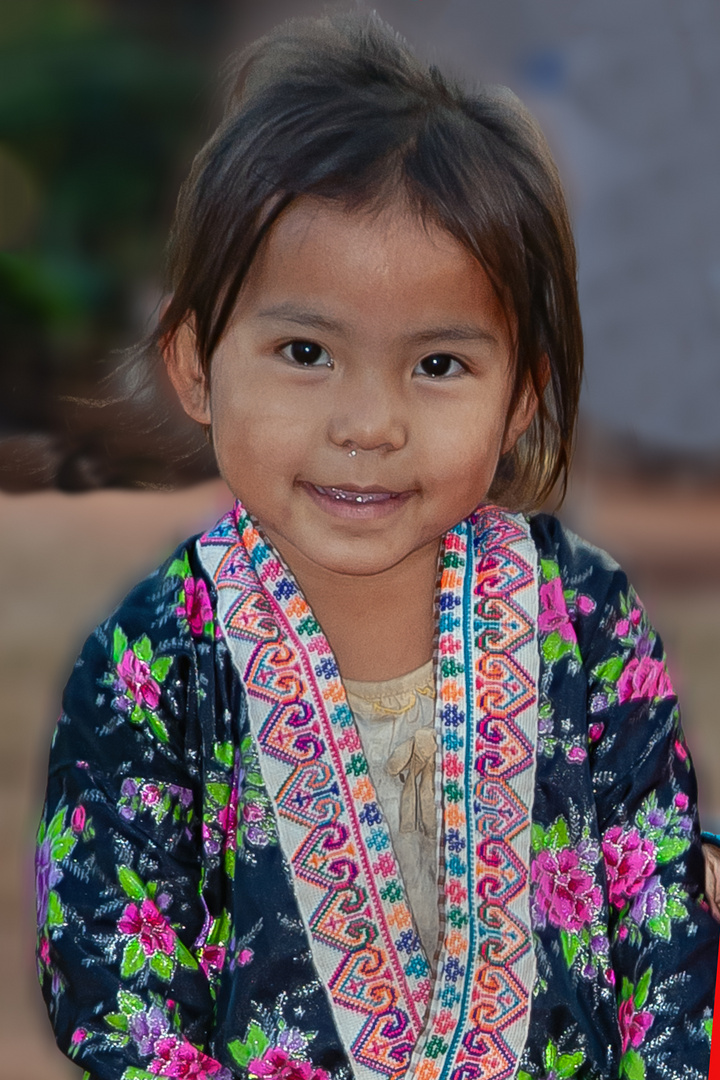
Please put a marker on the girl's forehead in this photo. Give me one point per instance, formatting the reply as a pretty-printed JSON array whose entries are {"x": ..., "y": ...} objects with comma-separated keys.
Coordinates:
[{"x": 387, "y": 256}]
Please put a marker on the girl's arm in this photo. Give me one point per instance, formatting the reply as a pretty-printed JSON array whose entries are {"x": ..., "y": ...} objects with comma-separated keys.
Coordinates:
[
  {"x": 663, "y": 940},
  {"x": 125, "y": 945}
]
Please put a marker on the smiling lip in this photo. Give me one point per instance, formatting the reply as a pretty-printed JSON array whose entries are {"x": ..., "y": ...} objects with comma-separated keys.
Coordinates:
[{"x": 352, "y": 501}]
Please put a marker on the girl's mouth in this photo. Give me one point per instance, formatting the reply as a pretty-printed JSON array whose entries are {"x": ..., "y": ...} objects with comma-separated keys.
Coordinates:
[
  {"x": 356, "y": 503},
  {"x": 356, "y": 496}
]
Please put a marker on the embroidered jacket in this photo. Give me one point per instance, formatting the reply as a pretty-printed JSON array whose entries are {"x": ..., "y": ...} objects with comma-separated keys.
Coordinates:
[{"x": 216, "y": 885}]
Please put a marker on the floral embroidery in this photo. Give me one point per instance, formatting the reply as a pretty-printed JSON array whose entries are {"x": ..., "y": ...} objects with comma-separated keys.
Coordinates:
[
  {"x": 634, "y": 1023},
  {"x": 55, "y": 842},
  {"x": 194, "y": 606},
  {"x": 639, "y": 678},
  {"x": 559, "y": 609},
  {"x": 273, "y": 1051},
  {"x": 566, "y": 895},
  {"x": 238, "y": 818},
  {"x": 631, "y": 858},
  {"x": 159, "y": 800},
  {"x": 136, "y": 681},
  {"x": 154, "y": 1033},
  {"x": 557, "y": 1065},
  {"x": 151, "y": 937}
]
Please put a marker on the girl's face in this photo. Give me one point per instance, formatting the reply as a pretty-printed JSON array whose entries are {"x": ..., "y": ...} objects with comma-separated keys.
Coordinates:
[{"x": 359, "y": 400}]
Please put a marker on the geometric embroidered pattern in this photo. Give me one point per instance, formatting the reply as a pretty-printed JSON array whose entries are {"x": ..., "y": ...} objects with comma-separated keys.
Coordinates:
[
  {"x": 345, "y": 874},
  {"x": 331, "y": 826}
]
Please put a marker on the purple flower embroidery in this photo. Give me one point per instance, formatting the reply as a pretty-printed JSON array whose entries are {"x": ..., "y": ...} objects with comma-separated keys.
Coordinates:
[
  {"x": 47, "y": 875},
  {"x": 146, "y": 1028},
  {"x": 650, "y": 901}
]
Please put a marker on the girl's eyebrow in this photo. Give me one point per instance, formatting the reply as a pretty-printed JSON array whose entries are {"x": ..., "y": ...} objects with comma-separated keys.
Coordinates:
[
  {"x": 452, "y": 332},
  {"x": 302, "y": 316}
]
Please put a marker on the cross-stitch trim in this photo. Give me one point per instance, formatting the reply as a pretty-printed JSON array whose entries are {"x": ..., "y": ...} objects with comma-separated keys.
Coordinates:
[
  {"x": 346, "y": 878},
  {"x": 488, "y": 656}
]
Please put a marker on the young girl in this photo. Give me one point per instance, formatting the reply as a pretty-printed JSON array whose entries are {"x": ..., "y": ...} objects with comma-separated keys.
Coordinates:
[{"x": 379, "y": 777}]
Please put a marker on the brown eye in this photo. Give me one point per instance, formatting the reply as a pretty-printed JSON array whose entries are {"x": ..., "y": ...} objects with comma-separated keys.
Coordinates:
[
  {"x": 307, "y": 353},
  {"x": 438, "y": 365}
]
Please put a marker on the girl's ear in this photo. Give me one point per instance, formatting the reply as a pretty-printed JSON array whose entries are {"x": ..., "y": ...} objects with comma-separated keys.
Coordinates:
[
  {"x": 525, "y": 408},
  {"x": 186, "y": 373}
]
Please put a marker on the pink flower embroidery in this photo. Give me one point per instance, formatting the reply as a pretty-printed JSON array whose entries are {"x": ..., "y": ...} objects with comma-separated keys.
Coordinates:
[
  {"x": 634, "y": 1024},
  {"x": 153, "y": 929},
  {"x": 681, "y": 800},
  {"x": 629, "y": 861},
  {"x": 643, "y": 680},
  {"x": 245, "y": 957},
  {"x": 176, "y": 1058},
  {"x": 150, "y": 794},
  {"x": 212, "y": 958},
  {"x": 77, "y": 822},
  {"x": 78, "y": 1036},
  {"x": 595, "y": 732},
  {"x": 276, "y": 1064},
  {"x": 197, "y": 608},
  {"x": 228, "y": 820},
  {"x": 565, "y": 894},
  {"x": 135, "y": 677},
  {"x": 554, "y": 614}
]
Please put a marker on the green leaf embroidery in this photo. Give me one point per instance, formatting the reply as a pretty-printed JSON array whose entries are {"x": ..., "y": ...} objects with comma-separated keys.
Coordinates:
[
  {"x": 179, "y": 567},
  {"x": 557, "y": 835},
  {"x": 627, "y": 989},
  {"x": 538, "y": 837},
  {"x": 130, "y": 1003},
  {"x": 550, "y": 1056},
  {"x": 57, "y": 825},
  {"x": 133, "y": 959},
  {"x": 54, "y": 912},
  {"x": 225, "y": 754},
  {"x": 610, "y": 670},
  {"x": 568, "y": 1064},
  {"x": 570, "y": 944},
  {"x": 143, "y": 648},
  {"x": 162, "y": 965},
  {"x": 157, "y": 726},
  {"x": 131, "y": 884},
  {"x": 642, "y": 988},
  {"x": 669, "y": 848},
  {"x": 632, "y": 1066},
  {"x": 661, "y": 926},
  {"x": 64, "y": 845},
  {"x": 550, "y": 569},
  {"x": 220, "y": 793},
  {"x": 120, "y": 644},
  {"x": 254, "y": 1046},
  {"x": 184, "y": 956},
  {"x": 117, "y": 1020},
  {"x": 160, "y": 667},
  {"x": 136, "y": 1074}
]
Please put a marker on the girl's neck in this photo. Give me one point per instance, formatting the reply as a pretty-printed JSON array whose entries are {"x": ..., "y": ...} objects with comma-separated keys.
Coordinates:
[{"x": 379, "y": 626}]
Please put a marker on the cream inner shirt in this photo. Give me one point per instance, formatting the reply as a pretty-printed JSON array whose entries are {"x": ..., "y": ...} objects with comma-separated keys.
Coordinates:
[{"x": 395, "y": 720}]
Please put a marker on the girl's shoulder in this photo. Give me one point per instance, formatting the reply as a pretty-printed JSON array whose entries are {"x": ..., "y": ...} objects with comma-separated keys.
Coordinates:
[{"x": 578, "y": 563}]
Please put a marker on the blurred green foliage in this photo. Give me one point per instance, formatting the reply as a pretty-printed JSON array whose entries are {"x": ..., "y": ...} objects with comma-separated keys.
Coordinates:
[{"x": 101, "y": 108}]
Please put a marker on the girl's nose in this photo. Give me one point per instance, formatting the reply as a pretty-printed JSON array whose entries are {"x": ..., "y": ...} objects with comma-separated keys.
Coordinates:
[{"x": 368, "y": 417}]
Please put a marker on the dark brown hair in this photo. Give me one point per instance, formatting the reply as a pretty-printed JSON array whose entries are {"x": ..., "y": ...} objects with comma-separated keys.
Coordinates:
[{"x": 339, "y": 107}]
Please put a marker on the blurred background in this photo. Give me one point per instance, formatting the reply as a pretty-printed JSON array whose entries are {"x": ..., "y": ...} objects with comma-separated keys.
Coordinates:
[{"x": 102, "y": 105}]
